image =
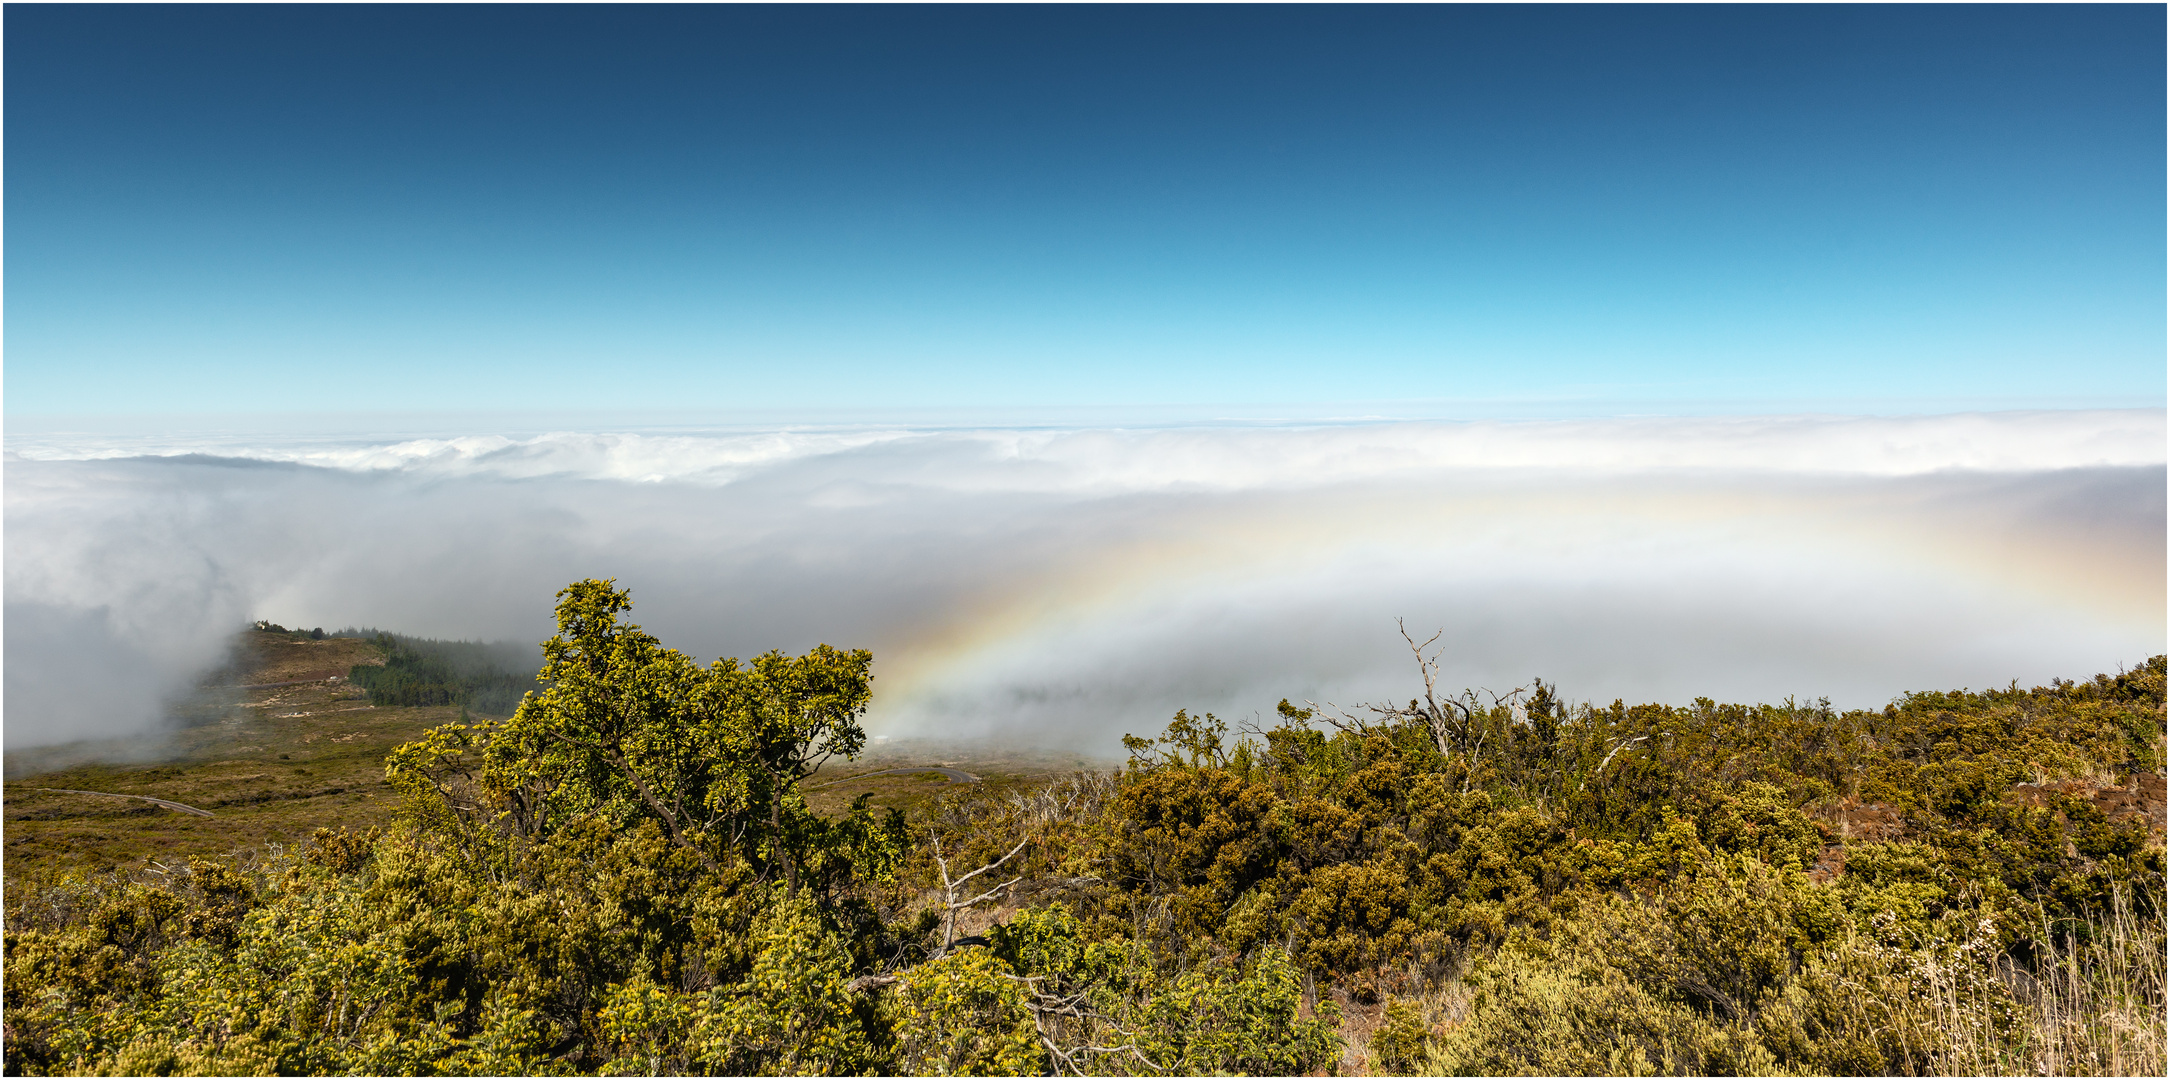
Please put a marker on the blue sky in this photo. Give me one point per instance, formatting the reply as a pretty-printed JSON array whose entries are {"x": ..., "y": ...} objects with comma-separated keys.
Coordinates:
[{"x": 269, "y": 210}]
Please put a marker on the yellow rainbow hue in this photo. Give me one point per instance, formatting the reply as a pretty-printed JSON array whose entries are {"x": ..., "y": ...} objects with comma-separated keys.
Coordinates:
[{"x": 1965, "y": 534}]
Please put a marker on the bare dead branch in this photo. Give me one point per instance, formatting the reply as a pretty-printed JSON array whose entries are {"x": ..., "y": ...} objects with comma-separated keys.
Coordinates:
[
  {"x": 989, "y": 894},
  {"x": 1617, "y": 747},
  {"x": 952, "y": 905},
  {"x": 990, "y": 866}
]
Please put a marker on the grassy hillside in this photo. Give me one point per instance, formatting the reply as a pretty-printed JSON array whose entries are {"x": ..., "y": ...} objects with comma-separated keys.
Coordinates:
[{"x": 280, "y": 745}]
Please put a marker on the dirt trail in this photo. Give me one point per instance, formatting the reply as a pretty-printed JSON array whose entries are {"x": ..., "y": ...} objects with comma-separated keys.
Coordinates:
[
  {"x": 167, "y": 803},
  {"x": 289, "y": 682},
  {"x": 956, "y": 776}
]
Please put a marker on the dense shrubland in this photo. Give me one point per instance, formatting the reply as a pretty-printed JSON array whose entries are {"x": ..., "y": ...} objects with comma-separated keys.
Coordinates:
[{"x": 624, "y": 877}]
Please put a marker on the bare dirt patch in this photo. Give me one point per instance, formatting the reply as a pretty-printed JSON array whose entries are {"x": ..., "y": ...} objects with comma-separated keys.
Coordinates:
[
  {"x": 2140, "y": 795},
  {"x": 263, "y": 659}
]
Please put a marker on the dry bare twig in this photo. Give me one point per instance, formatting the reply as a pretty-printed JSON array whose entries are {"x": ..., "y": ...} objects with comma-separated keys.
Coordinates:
[{"x": 952, "y": 905}]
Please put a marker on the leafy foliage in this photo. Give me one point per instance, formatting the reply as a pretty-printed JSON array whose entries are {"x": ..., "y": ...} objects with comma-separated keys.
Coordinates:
[{"x": 624, "y": 877}]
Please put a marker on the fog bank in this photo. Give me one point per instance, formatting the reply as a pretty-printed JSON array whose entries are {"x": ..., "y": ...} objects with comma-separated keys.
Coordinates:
[{"x": 1065, "y": 586}]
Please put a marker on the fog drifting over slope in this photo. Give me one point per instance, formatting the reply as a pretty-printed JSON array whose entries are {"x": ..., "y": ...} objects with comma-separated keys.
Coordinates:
[{"x": 1066, "y": 586}]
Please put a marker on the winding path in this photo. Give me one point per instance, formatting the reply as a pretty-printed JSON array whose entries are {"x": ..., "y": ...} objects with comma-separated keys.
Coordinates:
[
  {"x": 269, "y": 685},
  {"x": 167, "y": 803},
  {"x": 956, "y": 776}
]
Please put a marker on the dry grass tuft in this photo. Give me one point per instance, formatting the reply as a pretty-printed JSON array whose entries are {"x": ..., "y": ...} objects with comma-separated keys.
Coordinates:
[{"x": 2092, "y": 1006}]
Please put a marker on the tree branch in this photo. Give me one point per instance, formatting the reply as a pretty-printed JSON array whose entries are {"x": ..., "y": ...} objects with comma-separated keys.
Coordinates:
[
  {"x": 670, "y": 822},
  {"x": 949, "y": 888}
]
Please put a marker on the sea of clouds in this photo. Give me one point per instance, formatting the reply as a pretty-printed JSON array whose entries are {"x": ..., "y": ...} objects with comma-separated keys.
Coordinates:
[{"x": 1063, "y": 586}]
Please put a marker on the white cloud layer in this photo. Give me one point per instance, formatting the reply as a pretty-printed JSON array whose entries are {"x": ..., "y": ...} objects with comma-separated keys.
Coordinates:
[
  {"x": 1066, "y": 586},
  {"x": 1112, "y": 460}
]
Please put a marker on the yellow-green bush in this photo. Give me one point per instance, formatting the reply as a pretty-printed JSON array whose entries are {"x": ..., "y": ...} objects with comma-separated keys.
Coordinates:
[
  {"x": 964, "y": 1015},
  {"x": 626, "y": 879}
]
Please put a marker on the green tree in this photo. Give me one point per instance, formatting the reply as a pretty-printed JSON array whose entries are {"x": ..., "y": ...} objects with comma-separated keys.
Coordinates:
[{"x": 628, "y": 730}]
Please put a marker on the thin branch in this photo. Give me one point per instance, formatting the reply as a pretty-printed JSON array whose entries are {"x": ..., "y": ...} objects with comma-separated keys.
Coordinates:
[
  {"x": 949, "y": 887},
  {"x": 998, "y": 862},
  {"x": 988, "y": 894},
  {"x": 669, "y": 821},
  {"x": 1617, "y": 747}
]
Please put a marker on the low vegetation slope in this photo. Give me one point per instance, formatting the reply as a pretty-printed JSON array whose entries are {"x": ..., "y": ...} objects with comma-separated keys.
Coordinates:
[
  {"x": 288, "y": 737},
  {"x": 279, "y": 745},
  {"x": 626, "y": 876}
]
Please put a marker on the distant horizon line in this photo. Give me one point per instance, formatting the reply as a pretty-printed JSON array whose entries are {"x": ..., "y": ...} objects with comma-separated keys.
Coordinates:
[{"x": 1197, "y": 414}]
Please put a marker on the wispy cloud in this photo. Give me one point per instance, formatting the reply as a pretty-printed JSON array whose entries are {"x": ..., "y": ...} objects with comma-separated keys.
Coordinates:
[{"x": 1069, "y": 585}]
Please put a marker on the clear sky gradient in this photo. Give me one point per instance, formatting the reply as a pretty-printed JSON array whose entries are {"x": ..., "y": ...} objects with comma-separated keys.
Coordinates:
[{"x": 263, "y": 209}]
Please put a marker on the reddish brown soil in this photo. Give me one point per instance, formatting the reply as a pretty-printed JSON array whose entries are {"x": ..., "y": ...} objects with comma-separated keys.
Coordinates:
[
  {"x": 1857, "y": 820},
  {"x": 2141, "y": 796},
  {"x": 1850, "y": 820}
]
